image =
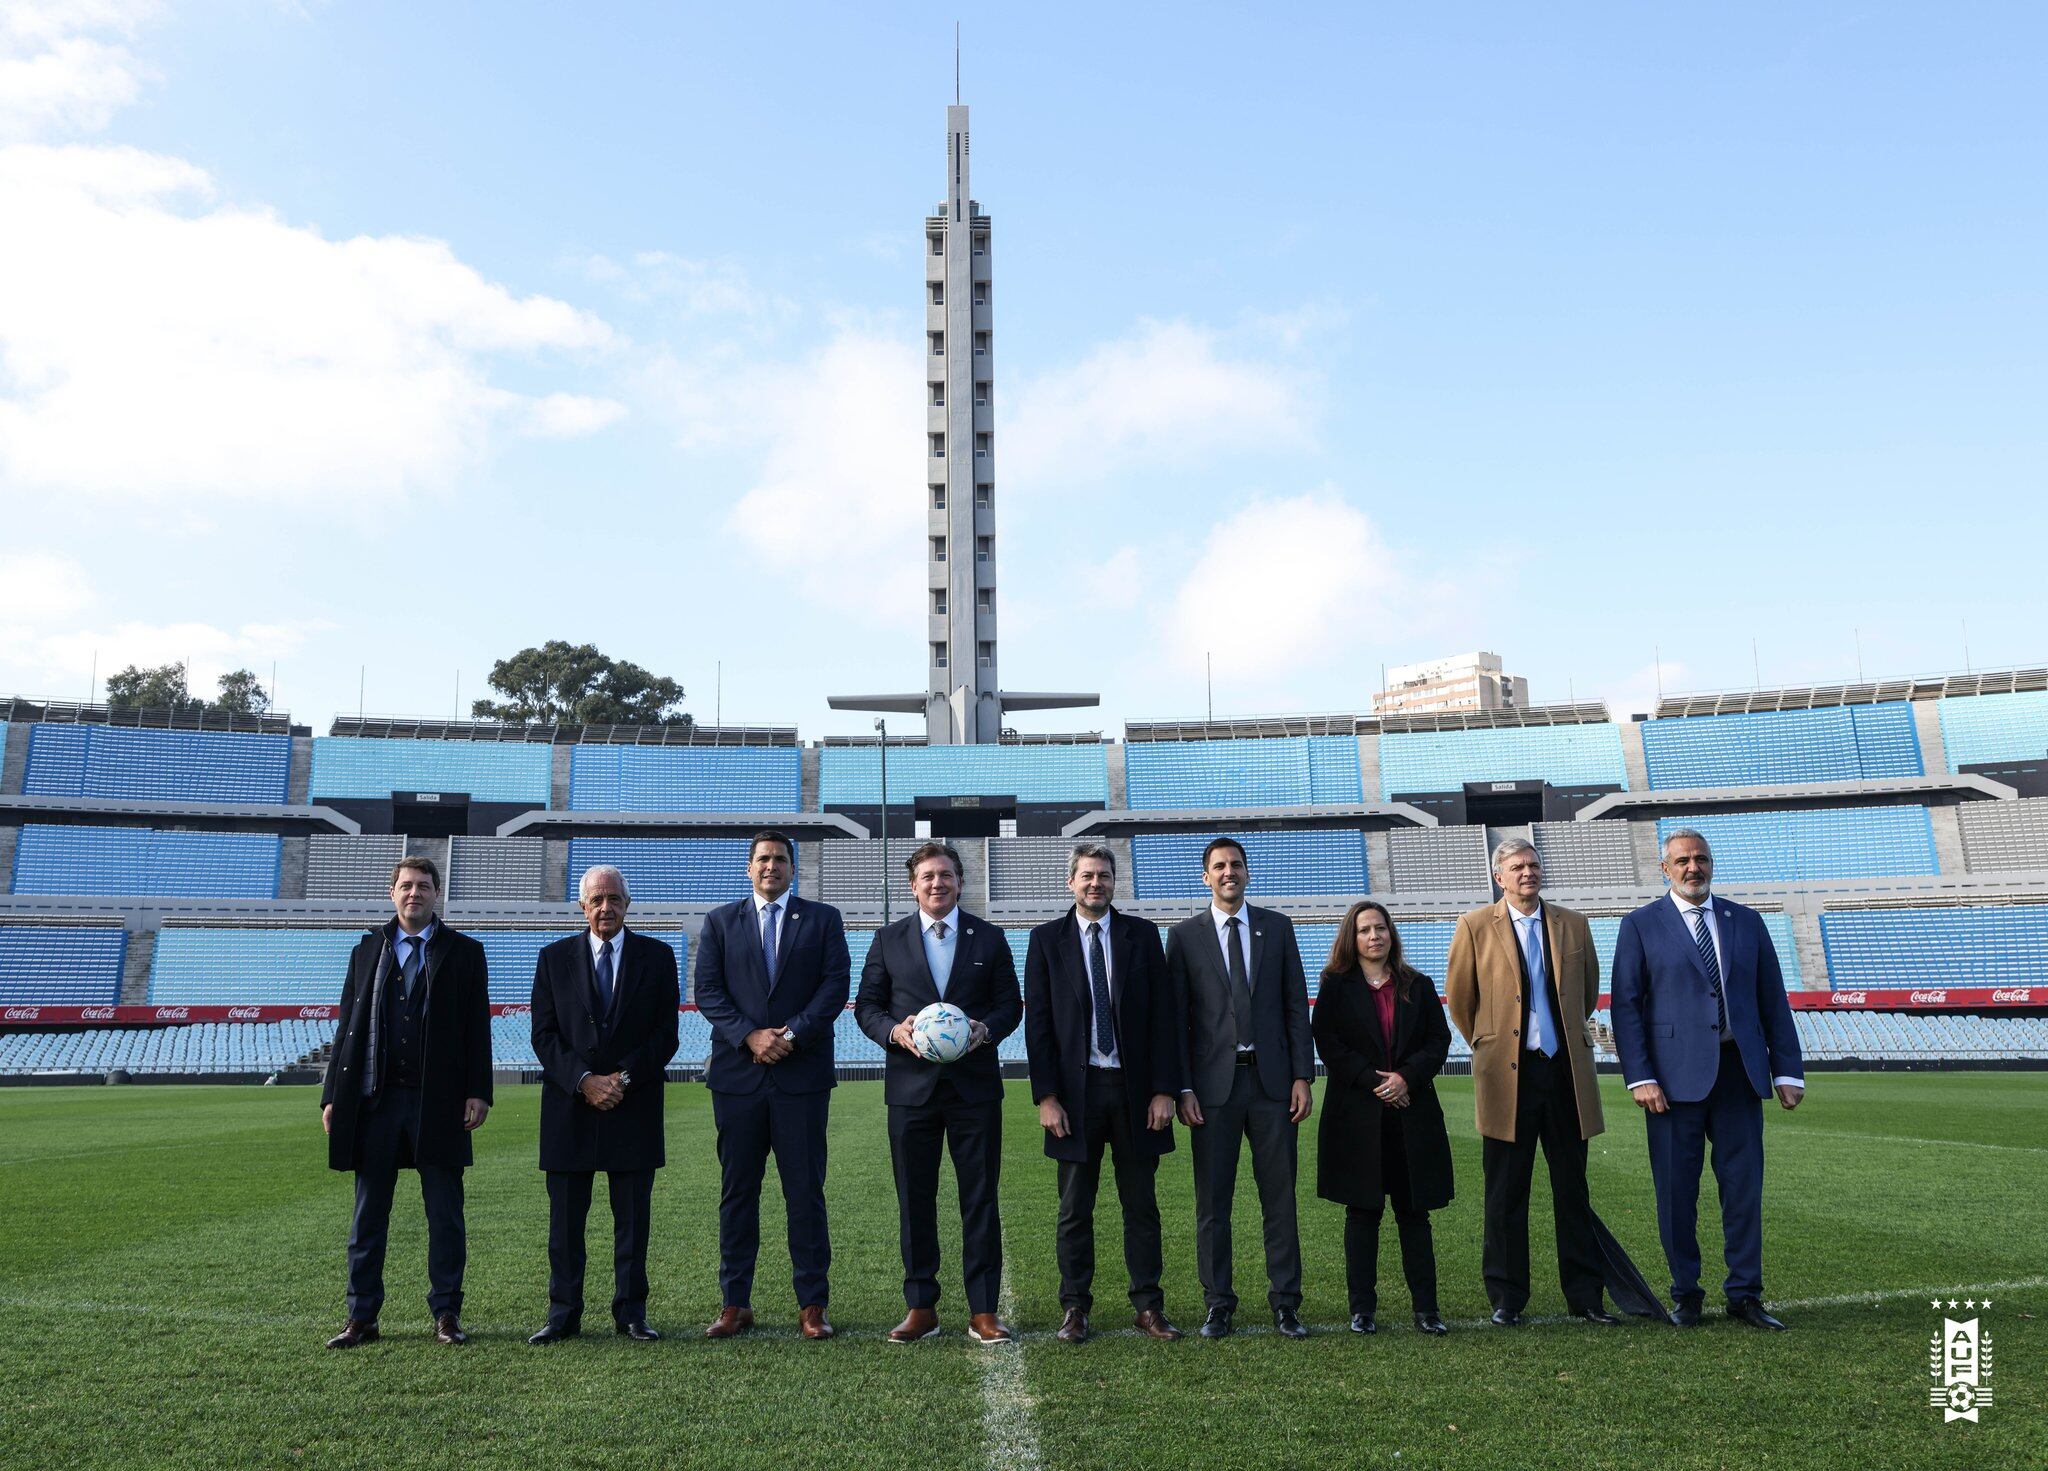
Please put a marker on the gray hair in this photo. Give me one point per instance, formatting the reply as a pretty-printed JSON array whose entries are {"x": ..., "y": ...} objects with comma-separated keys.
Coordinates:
[
  {"x": 602, "y": 870},
  {"x": 1664, "y": 848},
  {"x": 1509, "y": 847},
  {"x": 1090, "y": 850}
]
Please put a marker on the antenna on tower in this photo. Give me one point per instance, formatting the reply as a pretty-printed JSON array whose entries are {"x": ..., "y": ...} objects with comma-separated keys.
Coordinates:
[{"x": 956, "y": 63}]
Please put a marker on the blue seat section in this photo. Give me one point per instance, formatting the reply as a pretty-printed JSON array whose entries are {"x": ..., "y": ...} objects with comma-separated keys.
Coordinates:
[
  {"x": 201, "y": 1047},
  {"x": 1444, "y": 760},
  {"x": 489, "y": 771},
  {"x": 207, "y": 967},
  {"x": 1982, "y": 946},
  {"x": 1169, "y": 865},
  {"x": 2008, "y": 727},
  {"x": 1285, "y": 771},
  {"x": 512, "y": 954},
  {"x": 852, "y": 775},
  {"x": 686, "y": 779},
  {"x": 671, "y": 870},
  {"x": 61, "y": 965},
  {"x": 133, "y": 860},
  {"x": 1823, "y": 843},
  {"x": 1767, "y": 747},
  {"x": 157, "y": 765}
]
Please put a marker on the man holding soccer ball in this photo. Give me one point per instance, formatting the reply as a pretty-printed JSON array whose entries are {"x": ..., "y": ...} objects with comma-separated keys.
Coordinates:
[{"x": 941, "y": 955}]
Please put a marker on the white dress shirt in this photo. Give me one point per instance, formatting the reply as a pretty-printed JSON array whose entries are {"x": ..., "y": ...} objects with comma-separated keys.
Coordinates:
[
  {"x": 618, "y": 944},
  {"x": 1705, "y": 909},
  {"x": 781, "y": 928},
  {"x": 1096, "y": 1056},
  {"x": 1221, "y": 918}
]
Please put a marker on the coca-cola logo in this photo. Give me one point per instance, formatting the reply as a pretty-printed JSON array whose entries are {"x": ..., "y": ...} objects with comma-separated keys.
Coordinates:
[
  {"x": 313, "y": 1013},
  {"x": 244, "y": 1013},
  {"x": 1847, "y": 998},
  {"x": 22, "y": 1013},
  {"x": 514, "y": 1010},
  {"x": 1927, "y": 998},
  {"x": 2013, "y": 993},
  {"x": 96, "y": 1013},
  {"x": 173, "y": 1013}
]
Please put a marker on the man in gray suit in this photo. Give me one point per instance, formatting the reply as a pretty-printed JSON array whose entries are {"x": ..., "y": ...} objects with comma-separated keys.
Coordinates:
[{"x": 1235, "y": 972}]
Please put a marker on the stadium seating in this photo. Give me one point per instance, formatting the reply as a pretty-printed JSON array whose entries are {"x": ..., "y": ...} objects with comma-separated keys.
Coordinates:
[
  {"x": 1284, "y": 771},
  {"x": 1444, "y": 760},
  {"x": 686, "y": 779},
  {"x": 2007, "y": 727},
  {"x": 488, "y": 771},
  {"x": 156, "y": 765},
  {"x": 851, "y": 776},
  {"x": 1029, "y": 870},
  {"x": 1585, "y": 855},
  {"x": 1904, "y": 1036},
  {"x": 142, "y": 862},
  {"x": 1291, "y": 864},
  {"x": 200, "y": 1047},
  {"x": 1772, "y": 747},
  {"x": 1426, "y": 944},
  {"x": 850, "y": 870},
  {"x": 351, "y": 867},
  {"x": 61, "y": 965},
  {"x": 1445, "y": 858},
  {"x": 511, "y": 955},
  {"x": 2001, "y": 836},
  {"x": 1821, "y": 843},
  {"x": 496, "y": 868},
  {"x": 668, "y": 870},
  {"x": 1985, "y": 945}
]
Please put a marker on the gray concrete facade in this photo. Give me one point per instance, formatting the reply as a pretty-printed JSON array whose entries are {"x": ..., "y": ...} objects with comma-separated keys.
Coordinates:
[{"x": 1927, "y": 725}]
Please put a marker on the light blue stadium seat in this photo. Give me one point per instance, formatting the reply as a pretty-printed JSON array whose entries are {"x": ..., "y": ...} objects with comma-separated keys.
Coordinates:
[
  {"x": 207, "y": 967},
  {"x": 61, "y": 965},
  {"x": 1770, "y": 747},
  {"x": 852, "y": 775},
  {"x": 1988, "y": 945},
  {"x": 1290, "y": 864},
  {"x": 2007, "y": 727},
  {"x": 1284, "y": 771},
  {"x": 686, "y": 779},
  {"x": 156, "y": 765},
  {"x": 1822, "y": 843},
  {"x": 669, "y": 870},
  {"x": 142, "y": 861},
  {"x": 489, "y": 771},
  {"x": 1444, "y": 760},
  {"x": 198, "y": 1047}
]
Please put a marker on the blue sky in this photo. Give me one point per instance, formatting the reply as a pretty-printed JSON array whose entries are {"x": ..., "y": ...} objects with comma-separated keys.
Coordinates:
[{"x": 378, "y": 341}]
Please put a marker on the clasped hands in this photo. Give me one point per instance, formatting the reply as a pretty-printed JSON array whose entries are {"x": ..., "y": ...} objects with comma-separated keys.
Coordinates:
[
  {"x": 769, "y": 1045},
  {"x": 977, "y": 1034},
  {"x": 603, "y": 1091}
]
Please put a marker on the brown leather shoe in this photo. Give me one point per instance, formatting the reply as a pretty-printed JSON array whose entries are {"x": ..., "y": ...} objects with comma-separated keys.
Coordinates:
[
  {"x": 354, "y": 1333},
  {"x": 917, "y": 1323},
  {"x": 811, "y": 1322},
  {"x": 1152, "y": 1323},
  {"x": 448, "y": 1329},
  {"x": 988, "y": 1328},
  {"x": 1073, "y": 1327},
  {"x": 731, "y": 1322}
]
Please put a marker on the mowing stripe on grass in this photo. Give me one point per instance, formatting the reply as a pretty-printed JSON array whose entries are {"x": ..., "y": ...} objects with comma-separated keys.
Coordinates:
[
  {"x": 1006, "y": 1403},
  {"x": 1824, "y": 1134}
]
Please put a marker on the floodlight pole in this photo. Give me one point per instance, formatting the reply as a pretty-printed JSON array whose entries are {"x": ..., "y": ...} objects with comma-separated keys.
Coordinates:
[{"x": 882, "y": 730}]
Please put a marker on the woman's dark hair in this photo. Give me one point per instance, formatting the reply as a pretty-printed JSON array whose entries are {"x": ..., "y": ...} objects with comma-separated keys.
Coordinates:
[{"x": 1344, "y": 950}]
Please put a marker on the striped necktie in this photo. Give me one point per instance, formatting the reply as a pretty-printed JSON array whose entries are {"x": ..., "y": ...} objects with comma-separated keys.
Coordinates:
[{"x": 1705, "y": 942}]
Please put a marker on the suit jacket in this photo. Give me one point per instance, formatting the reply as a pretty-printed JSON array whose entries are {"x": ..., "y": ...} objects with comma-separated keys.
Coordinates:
[
  {"x": 571, "y": 1037},
  {"x": 812, "y": 973},
  {"x": 455, "y": 1046},
  {"x": 1664, "y": 1012},
  {"x": 1354, "y": 1049},
  {"x": 1059, "y": 1016},
  {"x": 1487, "y": 991},
  {"x": 1200, "y": 980},
  {"x": 897, "y": 983}
]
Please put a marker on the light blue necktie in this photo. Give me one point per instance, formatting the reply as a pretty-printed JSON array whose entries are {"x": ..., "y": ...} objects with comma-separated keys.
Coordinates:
[
  {"x": 1539, "y": 987},
  {"x": 770, "y": 914}
]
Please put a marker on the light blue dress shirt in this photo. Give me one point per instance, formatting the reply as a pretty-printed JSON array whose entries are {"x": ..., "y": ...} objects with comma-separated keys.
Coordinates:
[
  {"x": 938, "y": 953},
  {"x": 1541, "y": 1033}
]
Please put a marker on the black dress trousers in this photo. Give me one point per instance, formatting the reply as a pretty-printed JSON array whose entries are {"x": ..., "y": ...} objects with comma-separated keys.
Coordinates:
[{"x": 1106, "y": 1121}]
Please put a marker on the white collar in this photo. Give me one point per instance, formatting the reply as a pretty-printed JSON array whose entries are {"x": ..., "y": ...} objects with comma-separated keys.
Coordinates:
[
  {"x": 760, "y": 904},
  {"x": 1084, "y": 923},
  {"x": 618, "y": 941},
  {"x": 951, "y": 918},
  {"x": 1520, "y": 918},
  {"x": 1686, "y": 906},
  {"x": 1218, "y": 918}
]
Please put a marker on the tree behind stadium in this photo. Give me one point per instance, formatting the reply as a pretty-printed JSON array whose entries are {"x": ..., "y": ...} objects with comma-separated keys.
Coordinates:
[
  {"x": 164, "y": 687},
  {"x": 561, "y": 683}
]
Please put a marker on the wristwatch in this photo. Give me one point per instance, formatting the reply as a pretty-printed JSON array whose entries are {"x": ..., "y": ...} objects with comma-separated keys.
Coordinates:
[{"x": 625, "y": 1078}]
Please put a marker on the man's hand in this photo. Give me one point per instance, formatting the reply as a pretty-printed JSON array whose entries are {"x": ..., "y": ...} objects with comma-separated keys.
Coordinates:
[
  {"x": 769, "y": 1046},
  {"x": 1392, "y": 1089},
  {"x": 1298, "y": 1102},
  {"x": 900, "y": 1035},
  {"x": 327, "y": 1118},
  {"x": 1789, "y": 1094},
  {"x": 1052, "y": 1118},
  {"x": 1190, "y": 1110},
  {"x": 1160, "y": 1114},
  {"x": 602, "y": 1091},
  {"x": 977, "y": 1034},
  {"x": 1649, "y": 1096},
  {"x": 474, "y": 1112}
]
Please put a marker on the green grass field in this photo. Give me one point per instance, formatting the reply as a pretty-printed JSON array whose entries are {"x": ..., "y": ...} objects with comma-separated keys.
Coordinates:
[{"x": 172, "y": 1258}]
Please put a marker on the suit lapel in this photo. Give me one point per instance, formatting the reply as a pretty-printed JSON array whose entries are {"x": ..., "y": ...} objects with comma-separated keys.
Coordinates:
[{"x": 1675, "y": 921}]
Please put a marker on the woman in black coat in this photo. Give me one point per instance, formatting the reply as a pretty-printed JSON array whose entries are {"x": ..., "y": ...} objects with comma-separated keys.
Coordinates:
[{"x": 1383, "y": 1132}]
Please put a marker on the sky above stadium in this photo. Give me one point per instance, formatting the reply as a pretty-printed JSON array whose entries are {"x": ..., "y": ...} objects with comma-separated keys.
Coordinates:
[{"x": 373, "y": 342}]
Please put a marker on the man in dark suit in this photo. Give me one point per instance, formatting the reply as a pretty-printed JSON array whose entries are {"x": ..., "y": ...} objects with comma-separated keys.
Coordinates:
[
  {"x": 772, "y": 977},
  {"x": 408, "y": 1079},
  {"x": 942, "y": 953},
  {"x": 1248, "y": 1058},
  {"x": 604, "y": 1028},
  {"x": 1705, "y": 1031},
  {"x": 1102, "y": 1035}
]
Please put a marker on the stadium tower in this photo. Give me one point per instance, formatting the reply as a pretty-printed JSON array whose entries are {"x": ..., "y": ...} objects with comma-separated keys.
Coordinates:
[{"x": 961, "y": 701}]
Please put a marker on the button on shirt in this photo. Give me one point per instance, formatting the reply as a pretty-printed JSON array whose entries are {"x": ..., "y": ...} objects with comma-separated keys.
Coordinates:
[
  {"x": 1536, "y": 1023},
  {"x": 1221, "y": 919},
  {"x": 938, "y": 953},
  {"x": 1096, "y": 1056},
  {"x": 1705, "y": 910}
]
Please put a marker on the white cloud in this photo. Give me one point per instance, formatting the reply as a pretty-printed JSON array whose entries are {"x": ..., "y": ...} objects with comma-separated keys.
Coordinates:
[
  {"x": 209, "y": 651},
  {"x": 62, "y": 67},
  {"x": 1639, "y": 691},
  {"x": 571, "y": 415},
  {"x": 695, "y": 287},
  {"x": 38, "y": 588}
]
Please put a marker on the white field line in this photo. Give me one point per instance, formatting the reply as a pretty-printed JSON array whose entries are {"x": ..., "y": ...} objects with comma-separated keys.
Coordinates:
[
  {"x": 1821, "y": 1135},
  {"x": 1010, "y": 1439}
]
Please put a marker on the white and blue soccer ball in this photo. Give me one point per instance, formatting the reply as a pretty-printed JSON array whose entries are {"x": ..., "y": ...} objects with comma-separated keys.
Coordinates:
[{"x": 940, "y": 1033}]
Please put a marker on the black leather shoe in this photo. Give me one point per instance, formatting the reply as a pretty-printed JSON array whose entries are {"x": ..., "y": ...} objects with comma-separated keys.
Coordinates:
[
  {"x": 1363, "y": 1323},
  {"x": 1217, "y": 1324},
  {"x": 354, "y": 1333},
  {"x": 1599, "y": 1316},
  {"x": 1686, "y": 1313},
  {"x": 553, "y": 1333},
  {"x": 1430, "y": 1323},
  {"x": 639, "y": 1332},
  {"x": 1287, "y": 1325},
  {"x": 448, "y": 1329},
  {"x": 1506, "y": 1318},
  {"x": 1751, "y": 1311}
]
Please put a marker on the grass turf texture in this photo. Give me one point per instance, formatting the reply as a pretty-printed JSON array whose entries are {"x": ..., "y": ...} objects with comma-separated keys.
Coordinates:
[{"x": 171, "y": 1259}]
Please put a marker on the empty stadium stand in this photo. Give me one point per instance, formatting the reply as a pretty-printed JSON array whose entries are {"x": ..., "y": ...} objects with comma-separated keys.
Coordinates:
[
  {"x": 1816, "y": 843},
  {"x": 1284, "y": 771},
  {"x": 142, "y": 861},
  {"x": 851, "y": 776},
  {"x": 851, "y": 871},
  {"x": 1444, "y": 760},
  {"x": 196, "y": 1048},
  {"x": 351, "y": 867},
  {"x": 686, "y": 779},
  {"x": 672, "y": 870},
  {"x": 1331, "y": 862},
  {"x": 62, "y": 964},
  {"x": 2003, "y": 836},
  {"x": 488, "y": 771},
  {"x": 1449, "y": 859},
  {"x": 1769, "y": 747},
  {"x": 1996, "y": 727},
  {"x": 1989, "y": 945},
  {"x": 156, "y": 765},
  {"x": 504, "y": 869},
  {"x": 1586, "y": 855}
]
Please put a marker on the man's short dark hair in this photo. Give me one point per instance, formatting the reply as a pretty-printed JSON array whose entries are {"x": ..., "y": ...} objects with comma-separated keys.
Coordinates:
[
  {"x": 1215, "y": 843},
  {"x": 770, "y": 835},
  {"x": 935, "y": 849},
  {"x": 419, "y": 864}
]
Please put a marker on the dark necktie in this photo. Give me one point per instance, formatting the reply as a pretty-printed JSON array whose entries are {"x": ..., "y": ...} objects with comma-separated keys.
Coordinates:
[
  {"x": 1240, "y": 982},
  {"x": 604, "y": 976},
  {"x": 1705, "y": 942},
  {"x": 1098, "y": 986},
  {"x": 770, "y": 915},
  {"x": 409, "y": 970}
]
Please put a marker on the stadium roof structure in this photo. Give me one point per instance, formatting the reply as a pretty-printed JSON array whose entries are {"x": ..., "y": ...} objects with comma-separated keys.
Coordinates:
[
  {"x": 1122, "y": 822},
  {"x": 390, "y": 727},
  {"x": 213, "y": 817},
  {"x": 1010, "y": 738},
  {"x": 1872, "y": 791},
  {"x": 1876, "y": 692},
  {"x": 197, "y": 716},
  {"x": 1258, "y": 727},
  {"x": 557, "y": 823}
]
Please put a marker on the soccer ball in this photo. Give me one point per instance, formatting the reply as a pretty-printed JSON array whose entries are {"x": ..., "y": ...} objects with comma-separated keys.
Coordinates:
[{"x": 940, "y": 1033}]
